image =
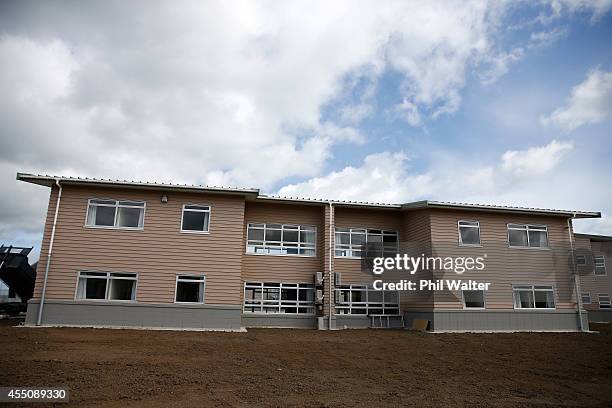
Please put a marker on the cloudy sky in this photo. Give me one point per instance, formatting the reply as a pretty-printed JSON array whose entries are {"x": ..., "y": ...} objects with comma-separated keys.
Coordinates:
[{"x": 502, "y": 103}]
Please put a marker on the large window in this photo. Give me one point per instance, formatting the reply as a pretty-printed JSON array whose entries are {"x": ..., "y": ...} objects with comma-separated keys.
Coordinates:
[
  {"x": 106, "y": 286},
  {"x": 189, "y": 289},
  {"x": 600, "y": 265},
  {"x": 473, "y": 299},
  {"x": 115, "y": 214},
  {"x": 279, "y": 239},
  {"x": 604, "y": 301},
  {"x": 528, "y": 236},
  {"x": 364, "y": 300},
  {"x": 196, "y": 218},
  {"x": 351, "y": 241},
  {"x": 469, "y": 232},
  {"x": 534, "y": 297},
  {"x": 289, "y": 298}
]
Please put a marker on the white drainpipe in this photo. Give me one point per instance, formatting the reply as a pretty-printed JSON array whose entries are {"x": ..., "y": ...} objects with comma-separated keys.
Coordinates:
[
  {"x": 44, "y": 288},
  {"x": 331, "y": 252},
  {"x": 576, "y": 283}
]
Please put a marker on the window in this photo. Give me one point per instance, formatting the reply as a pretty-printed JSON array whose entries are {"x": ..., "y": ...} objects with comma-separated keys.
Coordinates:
[
  {"x": 469, "y": 233},
  {"x": 196, "y": 218},
  {"x": 106, "y": 286},
  {"x": 586, "y": 298},
  {"x": 278, "y": 239},
  {"x": 189, "y": 289},
  {"x": 473, "y": 299},
  {"x": 580, "y": 260},
  {"x": 115, "y": 214},
  {"x": 363, "y": 300},
  {"x": 288, "y": 298},
  {"x": 604, "y": 301},
  {"x": 600, "y": 265},
  {"x": 528, "y": 236},
  {"x": 351, "y": 241},
  {"x": 533, "y": 297}
]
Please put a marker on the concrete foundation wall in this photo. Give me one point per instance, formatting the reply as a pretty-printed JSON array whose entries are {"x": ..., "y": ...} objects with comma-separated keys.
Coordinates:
[
  {"x": 279, "y": 321},
  {"x": 177, "y": 316},
  {"x": 600, "y": 316},
  {"x": 499, "y": 320}
]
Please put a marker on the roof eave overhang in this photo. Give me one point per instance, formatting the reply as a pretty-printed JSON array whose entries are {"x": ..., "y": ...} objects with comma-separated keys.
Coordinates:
[
  {"x": 48, "y": 181},
  {"x": 500, "y": 209}
]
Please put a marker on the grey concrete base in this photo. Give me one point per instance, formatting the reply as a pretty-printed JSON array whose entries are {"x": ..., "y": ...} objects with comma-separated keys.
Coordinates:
[
  {"x": 340, "y": 322},
  {"x": 600, "y": 316},
  {"x": 499, "y": 320},
  {"x": 279, "y": 321},
  {"x": 137, "y": 315}
]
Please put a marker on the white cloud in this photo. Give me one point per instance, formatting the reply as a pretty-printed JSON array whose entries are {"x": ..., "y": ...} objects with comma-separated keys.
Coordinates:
[
  {"x": 590, "y": 102},
  {"x": 535, "y": 160},
  {"x": 386, "y": 177}
]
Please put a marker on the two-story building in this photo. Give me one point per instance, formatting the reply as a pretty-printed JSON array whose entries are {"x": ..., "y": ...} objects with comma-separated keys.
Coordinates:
[
  {"x": 133, "y": 254},
  {"x": 593, "y": 256}
]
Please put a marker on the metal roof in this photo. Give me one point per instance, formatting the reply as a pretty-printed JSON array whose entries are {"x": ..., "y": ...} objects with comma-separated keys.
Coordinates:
[
  {"x": 46, "y": 180},
  {"x": 253, "y": 194},
  {"x": 500, "y": 208}
]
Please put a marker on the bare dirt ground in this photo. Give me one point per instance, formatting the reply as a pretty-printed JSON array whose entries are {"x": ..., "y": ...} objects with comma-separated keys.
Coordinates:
[{"x": 265, "y": 367}]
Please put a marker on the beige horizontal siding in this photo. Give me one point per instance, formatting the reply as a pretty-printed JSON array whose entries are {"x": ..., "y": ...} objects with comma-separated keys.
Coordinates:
[
  {"x": 505, "y": 266},
  {"x": 589, "y": 282},
  {"x": 363, "y": 218},
  {"x": 157, "y": 253},
  {"x": 277, "y": 268}
]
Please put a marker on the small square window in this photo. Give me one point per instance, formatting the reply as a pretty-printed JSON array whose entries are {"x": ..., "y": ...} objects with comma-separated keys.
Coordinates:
[
  {"x": 196, "y": 218},
  {"x": 469, "y": 233},
  {"x": 189, "y": 289},
  {"x": 474, "y": 299}
]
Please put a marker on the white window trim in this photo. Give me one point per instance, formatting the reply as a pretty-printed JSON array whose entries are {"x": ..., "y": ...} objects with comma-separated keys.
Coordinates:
[
  {"x": 207, "y": 232},
  {"x": 595, "y": 266},
  {"x": 533, "y": 285},
  {"x": 484, "y": 300},
  {"x": 108, "y": 279},
  {"x": 176, "y": 281},
  {"x": 366, "y": 238},
  {"x": 546, "y": 248},
  {"x": 350, "y": 305},
  {"x": 144, "y": 214},
  {"x": 246, "y": 251},
  {"x": 459, "y": 233},
  {"x": 586, "y": 294},
  {"x": 599, "y": 295},
  {"x": 280, "y": 287}
]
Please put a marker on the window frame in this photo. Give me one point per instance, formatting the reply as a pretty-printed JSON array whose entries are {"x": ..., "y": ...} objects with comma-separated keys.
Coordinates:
[
  {"x": 366, "y": 305},
  {"x": 527, "y": 227},
  {"x": 484, "y": 300},
  {"x": 581, "y": 263},
  {"x": 298, "y": 304},
  {"x": 202, "y": 282},
  {"x": 282, "y": 242},
  {"x": 609, "y": 303},
  {"x": 587, "y": 295},
  {"x": 209, "y": 211},
  {"x": 108, "y": 279},
  {"x": 479, "y": 244},
  {"x": 603, "y": 258},
  {"x": 117, "y": 201},
  {"x": 350, "y": 245},
  {"x": 533, "y": 290}
]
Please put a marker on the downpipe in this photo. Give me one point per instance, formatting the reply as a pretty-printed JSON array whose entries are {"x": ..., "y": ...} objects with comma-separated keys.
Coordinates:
[
  {"x": 44, "y": 288},
  {"x": 570, "y": 231}
]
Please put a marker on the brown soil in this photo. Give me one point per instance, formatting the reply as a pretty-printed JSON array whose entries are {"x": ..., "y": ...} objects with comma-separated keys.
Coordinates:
[{"x": 265, "y": 367}]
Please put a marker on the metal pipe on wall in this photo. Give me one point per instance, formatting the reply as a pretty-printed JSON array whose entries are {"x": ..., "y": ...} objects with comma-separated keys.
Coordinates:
[
  {"x": 44, "y": 288},
  {"x": 331, "y": 252},
  {"x": 570, "y": 231}
]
